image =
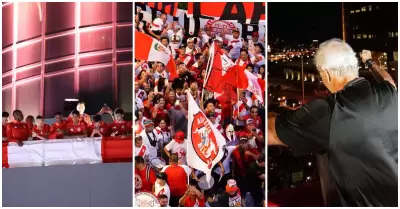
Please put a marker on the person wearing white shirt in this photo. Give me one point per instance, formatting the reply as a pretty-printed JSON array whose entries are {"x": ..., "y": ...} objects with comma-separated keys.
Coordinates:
[
  {"x": 256, "y": 57},
  {"x": 138, "y": 104},
  {"x": 235, "y": 43},
  {"x": 157, "y": 26},
  {"x": 241, "y": 109},
  {"x": 141, "y": 149},
  {"x": 175, "y": 35},
  {"x": 161, "y": 187},
  {"x": 178, "y": 145},
  {"x": 149, "y": 136}
]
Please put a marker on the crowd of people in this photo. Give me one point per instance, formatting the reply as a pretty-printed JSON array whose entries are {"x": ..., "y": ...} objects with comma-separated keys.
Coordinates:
[
  {"x": 161, "y": 120},
  {"x": 76, "y": 125}
]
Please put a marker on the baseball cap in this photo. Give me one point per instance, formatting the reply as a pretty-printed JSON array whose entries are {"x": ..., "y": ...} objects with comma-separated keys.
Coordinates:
[
  {"x": 231, "y": 186},
  {"x": 219, "y": 39},
  {"x": 162, "y": 176},
  {"x": 179, "y": 137},
  {"x": 249, "y": 121},
  {"x": 243, "y": 136}
]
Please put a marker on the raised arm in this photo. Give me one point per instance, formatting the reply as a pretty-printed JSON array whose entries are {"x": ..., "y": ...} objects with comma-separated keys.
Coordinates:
[{"x": 379, "y": 74}]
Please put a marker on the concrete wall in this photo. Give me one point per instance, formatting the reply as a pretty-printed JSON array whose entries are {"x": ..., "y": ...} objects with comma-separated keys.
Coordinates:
[{"x": 97, "y": 185}]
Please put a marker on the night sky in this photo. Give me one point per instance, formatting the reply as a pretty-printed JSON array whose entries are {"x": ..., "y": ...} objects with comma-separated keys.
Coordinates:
[{"x": 303, "y": 22}]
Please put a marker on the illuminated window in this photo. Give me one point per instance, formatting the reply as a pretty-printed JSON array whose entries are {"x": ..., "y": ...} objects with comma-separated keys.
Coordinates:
[
  {"x": 354, "y": 36},
  {"x": 396, "y": 34},
  {"x": 357, "y": 11},
  {"x": 365, "y": 36},
  {"x": 370, "y": 7},
  {"x": 363, "y": 9},
  {"x": 352, "y": 11},
  {"x": 369, "y": 36},
  {"x": 377, "y": 7},
  {"x": 358, "y": 36}
]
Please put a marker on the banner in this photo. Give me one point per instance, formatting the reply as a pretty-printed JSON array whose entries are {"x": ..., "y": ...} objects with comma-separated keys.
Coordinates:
[
  {"x": 242, "y": 12},
  {"x": 192, "y": 25},
  {"x": 67, "y": 152},
  {"x": 204, "y": 142}
]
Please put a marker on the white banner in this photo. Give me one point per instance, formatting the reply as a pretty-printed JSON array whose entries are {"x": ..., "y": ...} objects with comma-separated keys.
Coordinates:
[
  {"x": 55, "y": 152},
  {"x": 205, "y": 143}
]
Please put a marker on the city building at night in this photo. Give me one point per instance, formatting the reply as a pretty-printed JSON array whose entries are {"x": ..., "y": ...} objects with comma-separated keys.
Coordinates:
[{"x": 373, "y": 26}]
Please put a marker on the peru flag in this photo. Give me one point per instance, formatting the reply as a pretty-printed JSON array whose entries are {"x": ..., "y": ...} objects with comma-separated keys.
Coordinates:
[
  {"x": 204, "y": 141},
  {"x": 150, "y": 49}
]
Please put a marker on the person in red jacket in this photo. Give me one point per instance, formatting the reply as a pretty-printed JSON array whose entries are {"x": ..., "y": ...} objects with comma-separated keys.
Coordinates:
[
  {"x": 30, "y": 121},
  {"x": 176, "y": 179},
  {"x": 17, "y": 131},
  {"x": 254, "y": 115},
  {"x": 41, "y": 131},
  {"x": 242, "y": 156},
  {"x": 76, "y": 127},
  {"x": 120, "y": 127},
  {"x": 57, "y": 129},
  {"x": 145, "y": 176},
  {"x": 98, "y": 127},
  {"x": 4, "y": 122}
]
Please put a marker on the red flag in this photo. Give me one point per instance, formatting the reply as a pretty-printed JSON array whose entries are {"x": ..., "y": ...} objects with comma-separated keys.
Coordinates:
[{"x": 222, "y": 71}]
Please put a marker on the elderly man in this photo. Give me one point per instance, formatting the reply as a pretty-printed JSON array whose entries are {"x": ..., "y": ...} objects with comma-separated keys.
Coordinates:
[{"x": 356, "y": 125}]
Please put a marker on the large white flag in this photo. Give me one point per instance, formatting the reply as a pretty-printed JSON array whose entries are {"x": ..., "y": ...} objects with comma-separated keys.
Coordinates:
[{"x": 205, "y": 142}]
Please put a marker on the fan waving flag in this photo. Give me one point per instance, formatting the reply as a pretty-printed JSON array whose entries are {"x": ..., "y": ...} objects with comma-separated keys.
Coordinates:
[
  {"x": 221, "y": 73},
  {"x": 204, "y": 142},
  {"x": 254, "y": 86},
  {"x": 149, "y": 49}
]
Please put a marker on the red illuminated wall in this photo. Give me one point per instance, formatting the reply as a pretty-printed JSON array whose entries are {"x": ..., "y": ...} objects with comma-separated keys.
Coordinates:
[{"x": 53, "y": 51}]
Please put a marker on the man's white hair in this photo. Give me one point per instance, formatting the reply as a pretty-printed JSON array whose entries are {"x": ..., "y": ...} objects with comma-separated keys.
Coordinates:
[{"x": 337, "y": 57}]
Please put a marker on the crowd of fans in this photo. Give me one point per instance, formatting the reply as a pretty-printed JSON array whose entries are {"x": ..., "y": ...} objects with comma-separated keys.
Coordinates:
[
  {"x": 161, "y": 120},
  {"x": 76, "y": 125}
]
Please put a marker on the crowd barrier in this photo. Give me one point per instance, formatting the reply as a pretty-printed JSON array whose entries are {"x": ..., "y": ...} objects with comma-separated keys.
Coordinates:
[{"x": 67, "y": 152}]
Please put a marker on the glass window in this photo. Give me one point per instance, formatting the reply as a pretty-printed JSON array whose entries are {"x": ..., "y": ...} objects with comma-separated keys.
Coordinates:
[
  {"x": 370, "y": 7},
  {"x": 352, "y": 11},
  {"x": 369, "y": 36},
  {"x": 396, "y": 34},
  {"x": 363, "y": 9},
  {"x": 357, "y": 11},
  {"x": 354, "y": 36},
  {"x": 358, "y": 36},
  {"x": 365, "y": 36}
]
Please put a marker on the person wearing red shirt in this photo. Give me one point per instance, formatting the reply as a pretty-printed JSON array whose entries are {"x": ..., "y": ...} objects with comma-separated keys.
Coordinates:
[
  {"x": 192, "y": 198},
  {"x": 242, "y": 156},
  {"x": 82, "y": 116},
  {"x": 41, "y": 131},
  {"x": 159, "y": 112},
  {"x": 255, "y": 135},
  {"x": 145, "y": 177},
  {"x": 17, "y": 131},
  {"x": 76, "y": 127},
  {"x": 57, "y": 128},
  {"x": 254, "y": 115},
  {"x": 120, "y": 127},
  {"x": 176, "y": 179},
  {"x": 30, "y": 121},
  {"x": 4, "y": 124},
  {"x": 98, "y": 127}
]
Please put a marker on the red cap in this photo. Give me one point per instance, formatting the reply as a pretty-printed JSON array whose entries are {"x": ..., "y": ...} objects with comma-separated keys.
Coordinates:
[
  {"x": 231, "y": 186},
  {"x": 179, "y": 137},
  {"x": 255, "y": 33}
]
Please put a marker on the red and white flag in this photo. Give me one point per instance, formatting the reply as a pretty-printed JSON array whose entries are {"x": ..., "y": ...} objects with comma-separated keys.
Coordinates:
[
  {"x": 150, "y": 49},
  {"x": 205, "y": 143},
  {"x": 254, "y": 86},
  {"x": 221, "y": 71}
]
